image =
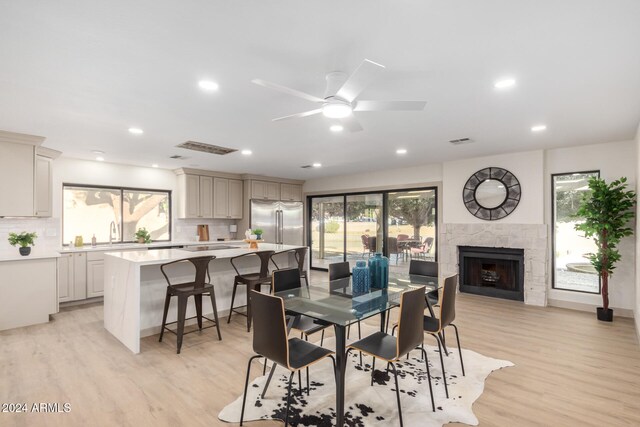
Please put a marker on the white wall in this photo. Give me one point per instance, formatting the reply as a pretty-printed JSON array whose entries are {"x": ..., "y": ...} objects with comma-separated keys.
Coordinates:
[
  {"x": 528, "y": 167},
  {"x": 385, "y": 179},
  {"x": 613, "y": 160},
  {"x": 637, "y": 263}
]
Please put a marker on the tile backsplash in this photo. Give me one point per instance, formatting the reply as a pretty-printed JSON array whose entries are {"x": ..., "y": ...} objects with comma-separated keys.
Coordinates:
[
  {"x": 48, "y": 230},
  {"x": 187, "y": 229}
]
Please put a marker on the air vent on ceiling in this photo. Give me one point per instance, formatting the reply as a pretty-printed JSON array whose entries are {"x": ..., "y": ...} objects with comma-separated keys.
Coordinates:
[
  {"x": 206, "y": 148},
  {"x": 461, "y": 141},
  {"x": 178, "y": 157},
  {"x": 306, "y": 166}
]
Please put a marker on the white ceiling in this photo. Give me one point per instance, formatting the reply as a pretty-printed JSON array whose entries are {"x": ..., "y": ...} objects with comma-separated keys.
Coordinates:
[{"x": 82, "y": 72}]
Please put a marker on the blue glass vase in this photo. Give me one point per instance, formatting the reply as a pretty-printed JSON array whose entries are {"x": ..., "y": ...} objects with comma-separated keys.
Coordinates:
[
  {"x": 361, "y": 280},
  {"x": 379, "y": 271}
]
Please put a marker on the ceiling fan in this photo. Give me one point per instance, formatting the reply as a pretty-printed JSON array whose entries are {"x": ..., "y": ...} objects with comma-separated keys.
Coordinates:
[{"x": 340, "y": 102}]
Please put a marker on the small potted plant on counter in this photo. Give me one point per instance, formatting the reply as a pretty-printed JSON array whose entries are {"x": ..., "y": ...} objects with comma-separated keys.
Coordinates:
[
  {"x": 24, "y": 239},
  {"x": 607, "y": 210},
  {"x": 258, "y": 233},
  {"x": 143, "y": 236}
]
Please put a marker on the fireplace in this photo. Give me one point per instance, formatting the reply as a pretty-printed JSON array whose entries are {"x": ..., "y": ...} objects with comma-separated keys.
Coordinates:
[{"x": 495, "y": 272}]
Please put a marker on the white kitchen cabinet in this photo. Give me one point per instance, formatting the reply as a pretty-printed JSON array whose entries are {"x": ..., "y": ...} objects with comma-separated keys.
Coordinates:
[
  {"x": 95, "y": 278},
  {"x": 42, "y": 192},
  {"x": 290, "y": 192},
  {"x": 79, "y": 276},
  {"x": 195, "y": 196},
  {"x": 227, "y": 198},
  {"x": 265, "y": 190},
  {"x": 65, "y": 277},
  {"x": 16, "y": 179},
  {"x": 206, "y": 197}
]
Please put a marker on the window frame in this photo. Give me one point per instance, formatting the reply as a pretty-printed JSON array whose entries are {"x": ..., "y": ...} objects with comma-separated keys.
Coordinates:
[
  {"x": 553, "y": 233},
  {"x": 122, "y": 190}
]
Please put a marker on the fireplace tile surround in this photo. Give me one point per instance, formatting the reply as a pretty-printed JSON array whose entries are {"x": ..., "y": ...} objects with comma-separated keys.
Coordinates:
[{"x": 533, "y": 238}]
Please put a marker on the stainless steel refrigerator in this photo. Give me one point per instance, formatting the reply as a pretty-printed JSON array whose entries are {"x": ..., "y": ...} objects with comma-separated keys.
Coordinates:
[{"x": 281, "y": 222}]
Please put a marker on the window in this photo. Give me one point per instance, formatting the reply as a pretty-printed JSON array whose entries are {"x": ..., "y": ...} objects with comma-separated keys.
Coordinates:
[
  {"x": 89, "y": 210},
  {"x": 571, "y": 269}
]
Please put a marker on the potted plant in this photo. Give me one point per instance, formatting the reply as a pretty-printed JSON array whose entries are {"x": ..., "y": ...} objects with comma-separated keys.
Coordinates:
[
  {"x": 24, "y": 239},
  {"x": 258, "y": 233},
  {"x": 607, "y": 210},
  {"x": 143, "y": 236}
]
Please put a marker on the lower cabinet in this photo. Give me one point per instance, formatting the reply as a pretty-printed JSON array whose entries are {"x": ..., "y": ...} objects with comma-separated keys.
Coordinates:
[{"x": 80, "y": 276}]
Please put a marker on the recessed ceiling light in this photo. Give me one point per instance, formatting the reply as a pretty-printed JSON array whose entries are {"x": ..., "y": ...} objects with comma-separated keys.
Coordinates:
[
  {"x": 316, "y": 165},
  {"x": 504, "y": 83},
  {"x": 155, "y": 165},
  {"x": 336, "y": 110},
  {"x": 208, "y": 85},
  {"x": 100, "y": 159},
  {"x": 538, "y": 128},
  {"x": 336, "y": 128},
  {"x": 98, "y": 152},
  {"x": 247, "y": 152},
  {"x": 136, "y": 131},
  {"x": 401, "y": 151}
]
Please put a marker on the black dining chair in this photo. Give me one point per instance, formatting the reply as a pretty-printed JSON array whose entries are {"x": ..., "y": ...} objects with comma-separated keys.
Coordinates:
[
  {"x": 253, "y": 281},
  {"x": 410, "y": 337},
  {"x": 435, "y": 326},
  {"x": 270, "y": 340},
  {"x": 341, "y": 270},
  {"x": 201, "y": 285},
  {"x": 299, "y": 254},
  {"x": 426, "y": 268}
]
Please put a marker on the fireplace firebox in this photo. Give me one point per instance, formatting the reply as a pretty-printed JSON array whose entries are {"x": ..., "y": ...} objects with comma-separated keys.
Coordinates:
[{"x": 494, "y": 272}]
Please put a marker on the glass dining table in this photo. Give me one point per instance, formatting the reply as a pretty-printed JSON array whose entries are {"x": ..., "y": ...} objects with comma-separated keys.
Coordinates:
[{"x": 335, "y": 303}]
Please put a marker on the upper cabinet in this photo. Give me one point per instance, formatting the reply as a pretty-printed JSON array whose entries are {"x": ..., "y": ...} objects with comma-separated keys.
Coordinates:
[
  {"x": 265, "y": 190},
  {"x": 291, "y": 192},
  {"x": 25, "y": 175},
  {"x": 227, "y": 198}
]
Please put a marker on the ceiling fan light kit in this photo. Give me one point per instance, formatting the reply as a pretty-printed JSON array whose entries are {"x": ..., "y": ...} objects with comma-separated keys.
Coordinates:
[{"x": 340, "y": 96}]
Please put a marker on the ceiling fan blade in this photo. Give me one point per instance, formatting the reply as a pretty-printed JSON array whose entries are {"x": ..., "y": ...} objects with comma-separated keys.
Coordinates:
[
  {"x": 351, "y": 123},
  {"x": 287, "y": 90},
  {"x": 390, "y": 106},
  {"x": 299, "y": 115},
  {"x": 360, "y": 79}
]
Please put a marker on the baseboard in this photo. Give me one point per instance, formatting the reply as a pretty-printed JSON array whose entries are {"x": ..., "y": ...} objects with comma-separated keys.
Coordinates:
[
  {"x": 81, "y": 302},
  {"x": 156, "y": 329},
  {"x": 621, "y": 312}
]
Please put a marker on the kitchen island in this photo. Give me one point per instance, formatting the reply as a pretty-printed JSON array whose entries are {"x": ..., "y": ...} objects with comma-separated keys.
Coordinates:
[{"x": 135, "y": 289}]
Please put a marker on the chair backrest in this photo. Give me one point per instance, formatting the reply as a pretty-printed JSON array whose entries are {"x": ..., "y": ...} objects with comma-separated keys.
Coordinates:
[
  {"x": 283, "y": 280},
  {"x": 423, "y": 268},
  {"x": 402, "y": 237},
  {"x": 411, "y": 323},
  {"x": 339, "y": 270},
  {"x": 428, "y": 243},
  {"x": 264, "y": 256},
  {"x": 448, "y": 301},
  {"x": 365, "y": 240},
  {"x": 269, "y": 328},
  {"x": 393, "y": 245},
  {"x": 201, "y": 265},
  {"x": 301, "y": 254},
  {"x": 373, "y": 243}
]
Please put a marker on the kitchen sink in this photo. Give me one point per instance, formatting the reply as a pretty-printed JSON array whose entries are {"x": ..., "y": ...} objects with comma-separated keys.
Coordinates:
[{"x": 208, "y": 248}]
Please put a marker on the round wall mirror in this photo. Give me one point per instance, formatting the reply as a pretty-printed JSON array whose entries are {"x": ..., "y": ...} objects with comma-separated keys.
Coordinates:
[{"x": 491, "y": 193}]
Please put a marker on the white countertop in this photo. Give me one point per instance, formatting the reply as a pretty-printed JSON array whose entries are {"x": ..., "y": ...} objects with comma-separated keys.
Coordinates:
[
  {"x": 36, "y": 253},
  {"x": 141, "y": 246},
  {"x": 161, "y": 256}
]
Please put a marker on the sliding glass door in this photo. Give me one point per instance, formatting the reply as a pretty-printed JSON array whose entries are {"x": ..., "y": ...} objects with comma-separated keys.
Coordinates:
[{"x": 349, "y": 227}]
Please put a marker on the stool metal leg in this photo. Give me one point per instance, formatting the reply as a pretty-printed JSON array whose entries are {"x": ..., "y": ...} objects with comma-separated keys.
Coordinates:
[
  {"x": 182, "y": 313},
  {"x": 167, "y": 300},
  {"x": 212, "y": 294},
  {"x": 198, "y": 301},
  {"x": 233, "y": 297}
]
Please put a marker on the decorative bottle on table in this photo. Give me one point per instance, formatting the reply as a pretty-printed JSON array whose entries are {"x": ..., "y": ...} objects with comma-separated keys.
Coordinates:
[
  {"x": 379, "y": 271},
  {"x": 361, "y": 280}
]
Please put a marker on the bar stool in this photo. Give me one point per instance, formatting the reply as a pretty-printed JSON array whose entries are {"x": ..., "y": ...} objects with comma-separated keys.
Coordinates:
[
  {"x": 197, "y": 288},
  {"x": 300, "y": 254},
  {"x": 253, "y": 281}
]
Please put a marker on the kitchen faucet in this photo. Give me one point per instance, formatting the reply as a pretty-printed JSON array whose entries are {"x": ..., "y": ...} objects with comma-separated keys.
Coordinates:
[{"x": 112, "y": 231}]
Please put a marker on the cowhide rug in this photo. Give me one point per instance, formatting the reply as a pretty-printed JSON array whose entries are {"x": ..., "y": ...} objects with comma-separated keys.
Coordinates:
[{"x": 372, "y": 406}]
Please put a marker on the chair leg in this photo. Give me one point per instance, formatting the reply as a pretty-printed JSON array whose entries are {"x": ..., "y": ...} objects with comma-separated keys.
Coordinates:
[
  {"x": 286, "y": 413},
  {"x": 266, "y": 384},
  {"x": 373, "y": 369},
  {"x": 214, "y": 306},
  {"x": 246, "y": 386},
  {"x": 198, "y": 299},
  {"x": 167, "y": 300},
  {"x": 264, "y": 367},
  {"x": 426, "y": 364},
  {"x": 444, "y": 374},
  {"x": 307, "y": 372},
  {"x": 393, "y": 330},
  {"x": 233, "y": 297},
  {"x": 248, "y": 309},
  {"x": 395, "y": 376},
  {"x": 306, "y": 280},
  {"x": 360, "y": 337},
  {"x": 459, "y": 348},
  {"x": 322, "y": 338},
  {"x": 182, "y": 313},
  {"x": 300, "y": 381}
]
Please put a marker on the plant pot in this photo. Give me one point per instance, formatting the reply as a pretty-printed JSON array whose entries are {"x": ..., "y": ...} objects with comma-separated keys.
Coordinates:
[
  {"x": 258, "y": 236},
  {"x": 604, "y": 316},
  {"x": 25, "y": 251},
  {"x": 140, "y": 239}
]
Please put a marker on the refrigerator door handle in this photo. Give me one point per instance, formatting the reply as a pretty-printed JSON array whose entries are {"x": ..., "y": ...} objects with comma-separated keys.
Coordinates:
[
  {"x": 277, "y": 227},
  {"x": 280, "y": 226}
]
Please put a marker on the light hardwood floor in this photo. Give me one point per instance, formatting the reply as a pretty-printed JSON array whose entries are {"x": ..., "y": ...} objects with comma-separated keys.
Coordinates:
[{"x": 571, "y": 370}]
